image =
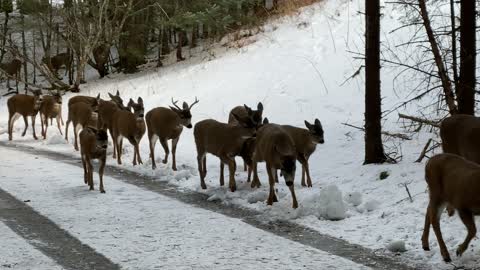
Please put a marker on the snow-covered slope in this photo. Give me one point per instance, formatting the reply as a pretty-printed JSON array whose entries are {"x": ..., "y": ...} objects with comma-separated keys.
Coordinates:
[{"x": 296, "y": 68}]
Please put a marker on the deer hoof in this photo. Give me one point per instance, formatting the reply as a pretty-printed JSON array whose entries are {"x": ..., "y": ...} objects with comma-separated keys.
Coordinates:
[
  {"x": 154, "y": 166},
  {"x": 102, "y": 191},
  {"x": 204, "y": 186},
  {"x": 164, "y": 161},
  {"x": 460, "y": 250}
]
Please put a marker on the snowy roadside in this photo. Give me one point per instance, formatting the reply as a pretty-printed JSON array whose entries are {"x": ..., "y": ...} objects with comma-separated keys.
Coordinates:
[
  {"x": 139, "y": 229},
  {"x": 282, "y": 70}
]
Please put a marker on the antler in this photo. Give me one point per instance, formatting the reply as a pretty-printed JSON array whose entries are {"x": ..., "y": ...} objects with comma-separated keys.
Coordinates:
[
  {"x": 175, "y": 104},
  {"x": 195, "y": 102}
]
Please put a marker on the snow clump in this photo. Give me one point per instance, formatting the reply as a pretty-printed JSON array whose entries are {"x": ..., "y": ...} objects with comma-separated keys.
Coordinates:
[{"x": 331, "y": 205}]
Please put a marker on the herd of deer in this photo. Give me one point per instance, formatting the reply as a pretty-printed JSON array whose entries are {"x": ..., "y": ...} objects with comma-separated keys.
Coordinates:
[{"x": 453, "y": 177}]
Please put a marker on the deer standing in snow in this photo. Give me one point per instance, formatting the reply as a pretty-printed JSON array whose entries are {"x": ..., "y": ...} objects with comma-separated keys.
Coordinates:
[
  {"x": 167, "y": 124},
  {"x": 23, "y": 105}
]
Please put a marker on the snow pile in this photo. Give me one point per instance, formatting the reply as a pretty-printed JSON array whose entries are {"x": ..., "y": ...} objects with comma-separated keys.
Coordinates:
[
  {"x": 370, "y": 205},
  {"x": 354, "y": 198},
  {"x": 56, "y": 139},
  {"x": 397, "y": 246},
  {"x": 257, "y": 196},
  {"x": 331, "y": 205}
]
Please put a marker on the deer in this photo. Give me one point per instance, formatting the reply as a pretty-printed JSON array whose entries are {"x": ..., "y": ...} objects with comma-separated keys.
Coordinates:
[
  {"x": 84, "y": 99},
  {"x": 167, "y": 124},
  {"x": 23, "y": 105},
  {"x": 247, "y": 115},
  {"x": 58, "y": 61},
  {"x": 131, "y": 126},
  {"x": 305, "y": 141},
  {"x": 93, "y": 145},
  {"x": 224, "y": 141},
  {"x": 82, "y": 115},
  {"x": 459, "y": 135},
  {"x": 454, "y": 181},
  {"x": 51, "y": 108},
  {"x": 275, "y": 146},
  {"x": 12, "y": 69},
  {"x": 106, "y": 110}
]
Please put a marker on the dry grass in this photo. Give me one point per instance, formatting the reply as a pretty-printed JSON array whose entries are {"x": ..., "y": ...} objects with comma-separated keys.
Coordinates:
[{"x": 290, "y": 7}]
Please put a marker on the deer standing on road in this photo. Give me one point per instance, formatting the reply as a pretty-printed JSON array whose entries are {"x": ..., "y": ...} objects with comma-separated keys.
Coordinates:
[
  {"x": 51, "y": 108},
  {"x": 167, "y": 124},
  {"x": 23, "y": 105},
  {"x": 93, "y": 146}
]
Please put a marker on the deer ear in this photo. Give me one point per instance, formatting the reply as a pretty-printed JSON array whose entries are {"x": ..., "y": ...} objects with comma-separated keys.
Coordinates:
[
  {"x": 130, "y": 102},
  {"x": 140, "y": 100},
  {"x": 98, "y": 96},
  {"x": 110, "y": 95},
  {"x": 185, "y": 105},
  {"x": 260, "y": 107},
  {"x": 265, "y": 121},
  {"x": 308, "y": 125},
  {"x": 249, "y": 110},
  {"x": 118, "y": 93},
  {"x": 317, "y": 123}
]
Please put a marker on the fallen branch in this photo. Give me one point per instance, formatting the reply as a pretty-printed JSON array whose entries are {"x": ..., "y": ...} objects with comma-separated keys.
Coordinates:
[
  {"x": 420, "y": 120},
  {"x": 386, "y": 133},
  {"x": 424, "y": 151},
  {"x": 405, "y": 185}
]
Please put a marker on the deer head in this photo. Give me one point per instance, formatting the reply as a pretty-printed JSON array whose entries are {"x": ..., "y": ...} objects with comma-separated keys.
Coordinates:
[
  {"x": 254, "y": 116},
  {"x": 316, "y": 131},
  {"x": 184, "y": 113},
  {"x": 138, "y": 109},
  {"x": 117, "y": 100},
  {"x": 38, "y": 99}
]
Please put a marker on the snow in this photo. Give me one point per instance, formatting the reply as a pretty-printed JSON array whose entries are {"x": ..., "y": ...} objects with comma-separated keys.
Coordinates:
[
  {"x": 139, "y": 229},
  {"x": 17, "y": 253},
  {"x": 397, "y": 246},
  {"x": 296, "y": 68},
  {"x": 330, "y": 204},
  {"x": 56, "y": 139}
]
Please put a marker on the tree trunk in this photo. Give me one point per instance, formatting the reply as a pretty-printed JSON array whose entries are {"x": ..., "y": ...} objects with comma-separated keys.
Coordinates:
[
  {"x": 454, "y": 46},
  {"x": 159, "y": 47},
  {"x": 4, "y": 36},
  {"x": 193, "y": 41},
  {"x": 373, "y": 113},
  {"x": 165, "y": 47},
  {"x": 466, "y": 92},
  {"x": 179, "y": 46},
  {"x": 442, "y": 72},
  {"x": 24, "y": 51}
]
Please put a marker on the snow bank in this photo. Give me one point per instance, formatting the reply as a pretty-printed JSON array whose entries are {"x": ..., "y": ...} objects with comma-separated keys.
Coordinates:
[{"x": 55, "y": 140}]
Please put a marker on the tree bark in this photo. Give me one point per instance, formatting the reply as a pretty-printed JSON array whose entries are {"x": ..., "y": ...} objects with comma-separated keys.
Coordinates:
[
  {"x": 442, "y": 72},
  {"x": 374, "y": 152},
  {"x": 466, "y": 91}
]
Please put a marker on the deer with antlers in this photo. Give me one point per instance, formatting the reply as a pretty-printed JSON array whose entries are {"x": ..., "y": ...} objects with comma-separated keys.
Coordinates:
[{"x": 167, "y": 124}]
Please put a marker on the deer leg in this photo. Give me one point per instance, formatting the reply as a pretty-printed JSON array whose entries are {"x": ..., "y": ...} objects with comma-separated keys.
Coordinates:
[
  {"x": 256, "y": 180},
  {"x": 90, "y": 173},
  {"x": 42, "y": 122},
  {"x": 204, "y": 166},
  {"x": 165, "y": 148},
  {"x": 435, "y": 212},
  {"x": 271, "y": 180},
  {"x": 75, "y": 135},
  {"x": 152, "y": 139},
  {"x": 202, "y": 171},
  {"x": 26, "y": 126},
  {"x": 467, "y": 219},
  {"x": 426, "y": 230},
  {"x": 100, "y": 172},
  {"x": 232, "y": 166},
  {"x": 249, "y": 177},
  {"x": 10, "y": 126},
  {"x": 33, "y": 127},
  {"x": 85, "y": 171},
  {"x": 58, "y": 124},
  {"x": 114, "y": 143},
  {"x": 174, "y": 151},
  {"x": 244, "y": 166},
  {"x": 276, "y": 176},
  {"x": 222, "y": 178},
  {"x": 66, "y": 129},
  {"x": 61, "y": 117},
  {"x": 294, "y": 197},
  {"x": 119, "y": 141}
]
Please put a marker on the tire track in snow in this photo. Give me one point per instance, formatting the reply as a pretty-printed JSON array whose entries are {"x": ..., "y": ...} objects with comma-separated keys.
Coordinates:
[
  {"x": 50, "y": 239},
  {"x": 286, "y": 229}
]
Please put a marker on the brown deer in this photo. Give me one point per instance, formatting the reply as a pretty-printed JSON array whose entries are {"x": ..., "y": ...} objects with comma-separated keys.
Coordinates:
[
  {"x": 224, "y": 141},
  {"x": 51, "y": 108},
  {"x": 81, "y": 115},
  {"x": 277, "y": 149},
  {"x": 454, "y": 181},
  {"x": 58, "y": 61},
  {"x": 106, "y": 110},
  {"x": 167, "y": 124},
  {"x": 12, "y": 69},
  {"x": 84, "y": 99},
  {"x": 459, "y": 135},
  {"x": 248, "y": 116},
  {"x": 131, "y": 126},
  {"x": 93, "y": 145},
  {"x": 306, "y": 141},
  {"x": 23, "y": 105}
]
